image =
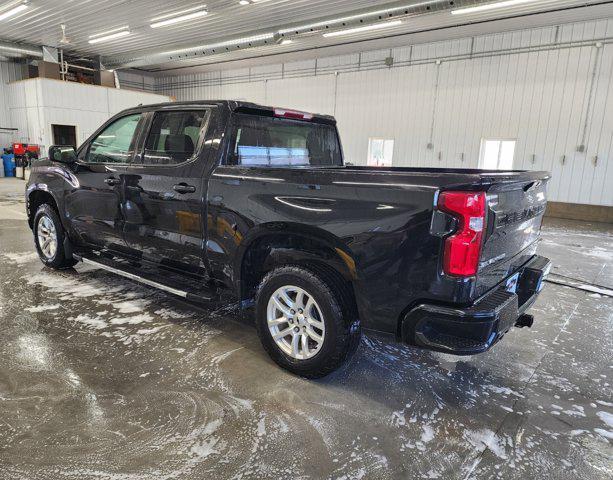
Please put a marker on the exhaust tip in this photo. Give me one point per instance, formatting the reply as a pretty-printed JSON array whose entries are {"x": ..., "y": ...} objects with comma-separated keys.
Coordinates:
[{"x": 525, "y": 320}]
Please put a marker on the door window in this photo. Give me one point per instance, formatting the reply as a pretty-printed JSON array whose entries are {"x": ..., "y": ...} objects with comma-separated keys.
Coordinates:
[
  {"x": 497, "y": 154},
  {"x": 173, "y": 137},
  {"x": 115, "y": 144},
  {"x": 265, "y": 141}
]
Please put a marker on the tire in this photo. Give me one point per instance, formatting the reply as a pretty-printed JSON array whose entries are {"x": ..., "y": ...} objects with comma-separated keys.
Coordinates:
[
  {"x": 47, "y": 220},
  {"x": 328, "y": 318}
]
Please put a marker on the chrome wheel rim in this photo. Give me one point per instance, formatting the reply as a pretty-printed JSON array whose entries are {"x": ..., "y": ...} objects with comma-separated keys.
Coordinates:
[
  {"x": 295, "y": 322},
  {"x": 47, "y": 237}
]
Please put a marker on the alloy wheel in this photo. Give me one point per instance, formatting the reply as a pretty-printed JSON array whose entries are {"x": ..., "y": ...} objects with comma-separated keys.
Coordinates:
[
  {"x": 295, "y": 322},
  {"x": 47, "y": 237}
]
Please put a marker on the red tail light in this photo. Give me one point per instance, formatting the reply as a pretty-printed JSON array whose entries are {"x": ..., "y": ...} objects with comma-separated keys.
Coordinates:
[{"x": 463, "y": 248}]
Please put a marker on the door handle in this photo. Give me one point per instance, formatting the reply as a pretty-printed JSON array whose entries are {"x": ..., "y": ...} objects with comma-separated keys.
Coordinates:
[
  {"x": 111, "y": 181},
  {"x": 184, "y": 188}
]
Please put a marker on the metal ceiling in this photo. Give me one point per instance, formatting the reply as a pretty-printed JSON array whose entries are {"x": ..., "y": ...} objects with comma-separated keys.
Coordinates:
[{"x": 227, "y": 20}]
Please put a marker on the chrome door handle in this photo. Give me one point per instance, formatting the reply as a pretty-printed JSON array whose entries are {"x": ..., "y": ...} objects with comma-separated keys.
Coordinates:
[{"x": 184, "y": 188}]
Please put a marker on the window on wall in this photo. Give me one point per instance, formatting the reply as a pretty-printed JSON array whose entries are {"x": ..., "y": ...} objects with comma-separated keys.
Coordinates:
[
  {"x": 497, "y": 154},
  {"x": 380, "y": 152}
]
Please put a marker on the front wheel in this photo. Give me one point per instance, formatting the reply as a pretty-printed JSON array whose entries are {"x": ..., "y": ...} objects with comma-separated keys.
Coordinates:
[
  {"x": 303, "y": 322},
  {"x": 49, "y": 237}
]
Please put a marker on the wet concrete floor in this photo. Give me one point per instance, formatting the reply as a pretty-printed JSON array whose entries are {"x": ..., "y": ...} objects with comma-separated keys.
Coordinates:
[{"x": 103, "y": 378}]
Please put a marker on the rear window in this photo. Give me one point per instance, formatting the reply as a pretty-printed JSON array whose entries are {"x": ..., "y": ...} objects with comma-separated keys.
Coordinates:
[{"x": 281, "y": 142}]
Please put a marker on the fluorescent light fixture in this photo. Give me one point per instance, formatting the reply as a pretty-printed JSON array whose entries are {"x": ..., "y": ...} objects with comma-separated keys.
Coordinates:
[
  {"x": 335, "y": 21},
  {"x": 286, "y": 41},
  {"x": 490, "y": 6},
  {"x": 228, "y": 43},
  {"x": 180, "y": 12},
  {"x": 112, "y": 36},
  {"x": 108, "y": 32},
  {"x": 13, "y": 11},
  {"x": 244, "y": 2},
  {"x": 182, "y": 16},
  {"x": 365, "y": 28}
]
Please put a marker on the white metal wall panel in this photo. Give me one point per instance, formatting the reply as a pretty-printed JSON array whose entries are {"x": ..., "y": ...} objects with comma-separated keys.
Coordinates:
[
  {"x": 133, "y": 80},
  {"x": 376, "y": 103},
  {"x": 36, "y": 104},
  {"x": 341, "y": 61},
  {"x": 598, "y": 173},
  {"x": 532, "y": 85},
  {"x": 301, "y": 67},
  {"x": 313, "y": 94},
  {"x": 9, "y": 72},
  {"x": 250, "y": 92},
  {"x": 374, "y": 56},
  {"x": 266, "y": 70}
]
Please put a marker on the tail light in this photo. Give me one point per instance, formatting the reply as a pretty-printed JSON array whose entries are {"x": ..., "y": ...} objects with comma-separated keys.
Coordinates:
[{"x": 463, "y": 248}]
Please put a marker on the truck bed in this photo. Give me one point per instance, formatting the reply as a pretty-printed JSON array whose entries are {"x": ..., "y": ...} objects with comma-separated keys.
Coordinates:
[{"x": 381, "y": 218}]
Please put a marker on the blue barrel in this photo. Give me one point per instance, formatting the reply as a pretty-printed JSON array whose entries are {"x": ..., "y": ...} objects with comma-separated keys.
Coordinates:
[{"x": 8, "y": 161}]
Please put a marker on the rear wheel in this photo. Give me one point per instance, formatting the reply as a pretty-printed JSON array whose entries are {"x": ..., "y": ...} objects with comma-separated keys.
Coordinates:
[
  {"x": 49, "y": 238},
  {"x": 303, "y": 323}
]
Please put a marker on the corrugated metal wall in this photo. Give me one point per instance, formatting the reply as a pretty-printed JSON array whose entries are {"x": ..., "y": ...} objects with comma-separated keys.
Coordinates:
[
  {"x": 9, "y": 72},
  {"x": 549, "y": 88},
  {"x": 136, "y": 81}
]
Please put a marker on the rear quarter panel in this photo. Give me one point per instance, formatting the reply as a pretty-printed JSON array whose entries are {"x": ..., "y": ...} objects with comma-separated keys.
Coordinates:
[{"x": 383, "y": 225}]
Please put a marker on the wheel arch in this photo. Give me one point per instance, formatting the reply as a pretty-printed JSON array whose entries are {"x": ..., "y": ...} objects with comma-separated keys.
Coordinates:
[
  {"x": 38, "y": 195},
  {"x": 287, "y": 244}
]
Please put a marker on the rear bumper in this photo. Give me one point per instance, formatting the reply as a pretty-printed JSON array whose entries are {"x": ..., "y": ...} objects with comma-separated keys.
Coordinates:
[{"x": 474, "y": 329}]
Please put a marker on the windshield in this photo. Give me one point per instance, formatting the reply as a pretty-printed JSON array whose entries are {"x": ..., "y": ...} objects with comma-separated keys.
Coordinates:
[{"x": 281, "y": 142}]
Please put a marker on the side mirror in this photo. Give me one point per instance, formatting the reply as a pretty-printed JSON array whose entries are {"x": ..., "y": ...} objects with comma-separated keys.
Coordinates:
[{"x": 62, "y": 153}]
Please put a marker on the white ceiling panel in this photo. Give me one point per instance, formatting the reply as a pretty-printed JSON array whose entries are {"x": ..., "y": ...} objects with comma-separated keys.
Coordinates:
[{"x": 227, "y": 21}]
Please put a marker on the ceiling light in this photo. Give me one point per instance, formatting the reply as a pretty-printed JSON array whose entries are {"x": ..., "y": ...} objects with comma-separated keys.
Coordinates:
[
  {"x": 286, "y": 41},
  {"x": 108, "y": 32},
  {"x": 228, "y": 43},
  {"x": 180, "y": 12},
  {"x": 365, "y": 28},
  {"x": 112, "y": 36},
  {"x": 182, "y": 18},
  {"x": 357, "y": 17},
  {"x": 490, "y": 6},
  {"x": 13, "y": 11},
  {"x": 244, "y": 2}
]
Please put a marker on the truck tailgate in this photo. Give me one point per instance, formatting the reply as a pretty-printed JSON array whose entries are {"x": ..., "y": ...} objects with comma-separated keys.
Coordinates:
[{"x": 515, "y": 214}]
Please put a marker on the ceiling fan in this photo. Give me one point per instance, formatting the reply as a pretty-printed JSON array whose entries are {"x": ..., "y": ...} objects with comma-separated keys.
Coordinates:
[{"x": 64, "y": 40}]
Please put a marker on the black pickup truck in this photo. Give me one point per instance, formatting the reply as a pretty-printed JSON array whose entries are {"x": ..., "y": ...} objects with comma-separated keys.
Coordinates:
[{"x": 222, "y": 200}]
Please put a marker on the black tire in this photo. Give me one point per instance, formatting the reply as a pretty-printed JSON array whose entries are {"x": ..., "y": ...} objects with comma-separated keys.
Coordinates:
[
  {"x": 342, "y": 329},
  {"x": 60, "y": 260}
]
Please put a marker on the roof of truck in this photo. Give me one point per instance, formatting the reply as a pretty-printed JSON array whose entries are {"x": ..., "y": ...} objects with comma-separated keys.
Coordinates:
[{"x": 233, "y": 105}]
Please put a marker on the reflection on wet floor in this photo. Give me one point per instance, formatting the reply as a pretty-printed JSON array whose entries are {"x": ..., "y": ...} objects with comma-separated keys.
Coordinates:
[{"x": 104, "y": 378}]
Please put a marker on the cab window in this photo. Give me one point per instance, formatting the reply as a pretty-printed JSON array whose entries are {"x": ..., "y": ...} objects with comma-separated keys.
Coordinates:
[
  {"x": 115, "y": 144},
  {"x": 268, "y": 141},
  {"x": 173, "y": 137}
]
